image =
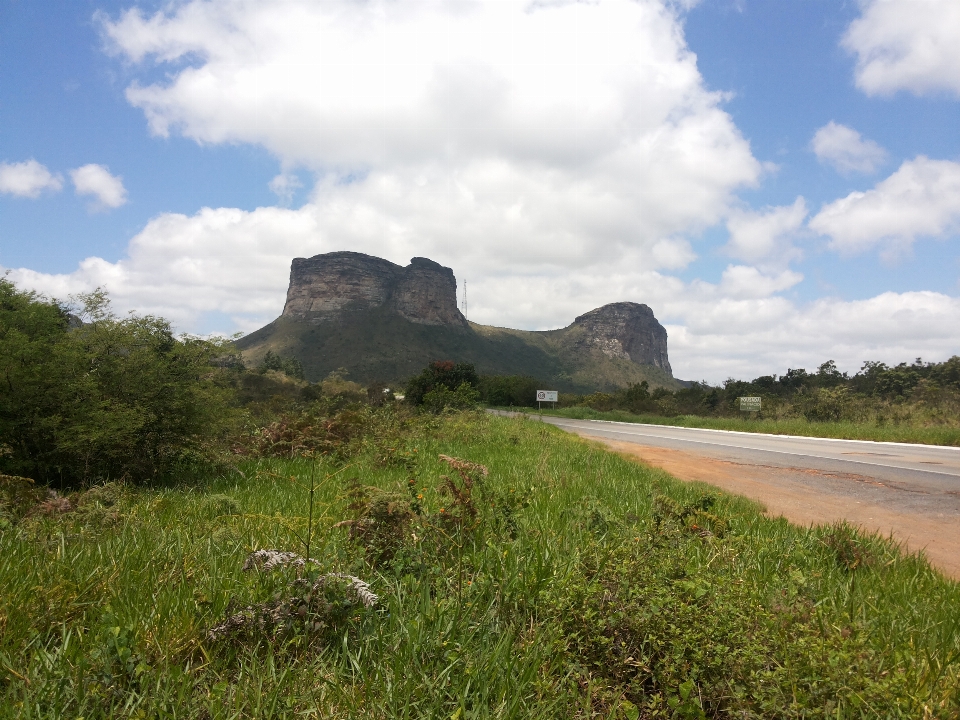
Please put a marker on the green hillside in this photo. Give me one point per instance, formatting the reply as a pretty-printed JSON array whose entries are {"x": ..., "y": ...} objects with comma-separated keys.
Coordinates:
[{"x": 378, "y": 345}]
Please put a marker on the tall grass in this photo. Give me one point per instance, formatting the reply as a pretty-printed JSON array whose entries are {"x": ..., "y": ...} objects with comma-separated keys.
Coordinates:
[
  {"x": 104, "y": 613},
  {"x": 845, "y": 429}
]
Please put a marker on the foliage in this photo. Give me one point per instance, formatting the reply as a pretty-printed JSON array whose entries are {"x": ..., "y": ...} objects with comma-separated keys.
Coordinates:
[
  {"x": 442, "y": 373},
  {"x": 509, "y": 390},
  {"x": 917, "y": 395},
  {"x": 337, "y": 385},
  {"x": 518, "y": 573},
  {"x": 311, "y": 432},
  {"x": 105, "y": 398},
  {"x": 288, "y": 366},
  {"x": 440, "y": 398}
]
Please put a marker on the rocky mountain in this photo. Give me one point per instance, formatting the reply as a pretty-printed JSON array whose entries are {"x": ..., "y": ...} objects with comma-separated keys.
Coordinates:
[
  {"x": 324, "y": 286},
  {"x": 385, "y": 322}
]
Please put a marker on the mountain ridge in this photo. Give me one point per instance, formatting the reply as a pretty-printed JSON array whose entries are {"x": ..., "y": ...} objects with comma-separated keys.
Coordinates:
[{"x": 385, "y": 322}]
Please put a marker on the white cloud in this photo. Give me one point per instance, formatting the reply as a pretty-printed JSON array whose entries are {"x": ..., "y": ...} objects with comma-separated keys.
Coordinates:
[
  {"x": 766, "y": 237},
  {"x": 96, "y": 180},
  {"x": 844, "y": 149},
  {"x": 284, "y": 186},
  {"x": 27, "y": 179},
  {"x": 224, "y": 261},
  {"x": 567, "y": 132},
  {"x": 921, "y": 199},
  {"x": 744, "y": 281},
  {"x": 906, "y": 45}
]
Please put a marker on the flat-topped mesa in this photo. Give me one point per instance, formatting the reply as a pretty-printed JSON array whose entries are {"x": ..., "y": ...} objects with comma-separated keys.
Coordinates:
[
  {"x": 325, "y": 286},
  {"x": 626, "y": 330}
]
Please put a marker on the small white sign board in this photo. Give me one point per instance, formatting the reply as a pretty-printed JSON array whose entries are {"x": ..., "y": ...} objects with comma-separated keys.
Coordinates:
[
  {"x": 750, "y": 404},
  {"x": 547, "y": 395}
]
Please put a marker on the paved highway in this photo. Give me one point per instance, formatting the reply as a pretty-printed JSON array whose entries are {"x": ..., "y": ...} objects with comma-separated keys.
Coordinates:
[{"x": 931, "y": 468}]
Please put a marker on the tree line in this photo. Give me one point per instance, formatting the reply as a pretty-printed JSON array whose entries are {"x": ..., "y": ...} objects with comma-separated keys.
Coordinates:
[{"x": 87, "y": 395}]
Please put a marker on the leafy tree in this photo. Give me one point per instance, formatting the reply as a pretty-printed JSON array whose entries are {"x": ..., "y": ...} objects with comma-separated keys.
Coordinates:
[
  {"x": 509, "y": 390},
  {"x": 947, "y": 373},
  {"x": 288, "y": 366},
  {"x": 442, "y": 398},
  {"x": 105, "y": 398},
  {"x": 441, "y": 373}
]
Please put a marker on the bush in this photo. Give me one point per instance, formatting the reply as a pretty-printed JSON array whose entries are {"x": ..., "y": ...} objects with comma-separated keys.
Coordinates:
[
  {"x": 440, "y": 374},
  {"x": 509, "y": 390},
  {"x": 105, "y": 398},
  {"x": 288, "y": 366},
  {"x": 440, "y": 398}
]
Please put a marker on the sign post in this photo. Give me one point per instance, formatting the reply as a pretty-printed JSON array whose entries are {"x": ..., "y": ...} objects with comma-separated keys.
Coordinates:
[
  {"x": 750, "y": 405},
  {"x": 546, "y": 396}
]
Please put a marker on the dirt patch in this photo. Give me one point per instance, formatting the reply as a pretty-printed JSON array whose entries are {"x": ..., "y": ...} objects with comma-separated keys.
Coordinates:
[{"x": 810, "y": 497}]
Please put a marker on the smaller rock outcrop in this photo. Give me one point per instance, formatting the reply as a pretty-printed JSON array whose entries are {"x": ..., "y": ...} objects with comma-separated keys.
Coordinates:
[
  {"x": 625, "y": 330},
  {"x": 323, "y": 287}
]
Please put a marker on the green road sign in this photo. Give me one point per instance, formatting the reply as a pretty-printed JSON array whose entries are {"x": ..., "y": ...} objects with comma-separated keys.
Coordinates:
[{"x": 750, "y": 404}]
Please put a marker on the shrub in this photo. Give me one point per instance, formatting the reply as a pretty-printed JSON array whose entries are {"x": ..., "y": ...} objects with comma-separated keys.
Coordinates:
[
  {"x": 440, "y": 398},
  {"x": 106, "y": 398},
  {"x": 440, "y": 374},
  {"x": 288, "y": 366}
]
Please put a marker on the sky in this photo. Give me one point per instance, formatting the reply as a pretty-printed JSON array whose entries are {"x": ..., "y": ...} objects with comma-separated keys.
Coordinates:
[{"x": 778, "y": 180}]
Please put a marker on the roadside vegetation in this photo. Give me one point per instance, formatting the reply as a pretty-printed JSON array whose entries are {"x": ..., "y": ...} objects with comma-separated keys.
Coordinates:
[
  {"x": 323, "y": 550},
  {"x": 916, "y": 403}
]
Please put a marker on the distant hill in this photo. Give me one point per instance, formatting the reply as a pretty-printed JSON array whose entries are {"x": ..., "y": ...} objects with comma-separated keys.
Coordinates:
[{"x": 385, "y": 322}]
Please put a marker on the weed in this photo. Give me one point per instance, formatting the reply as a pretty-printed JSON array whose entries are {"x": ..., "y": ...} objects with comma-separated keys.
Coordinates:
[
  {"x": 324, "y": 606},
  {"x": 848, "y": 548},
  {"x": 18, "y": 495},
  {"x": 218, "y": 505},
  {"x": 381, "y": 522}
]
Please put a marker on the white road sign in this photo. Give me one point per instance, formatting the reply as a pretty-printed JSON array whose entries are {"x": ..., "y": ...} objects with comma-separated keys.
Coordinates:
[
  {"x": 750, "y": 404},
  {"x": 547, "y": 395}
]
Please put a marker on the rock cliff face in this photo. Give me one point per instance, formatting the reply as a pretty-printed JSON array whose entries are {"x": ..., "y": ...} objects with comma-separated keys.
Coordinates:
[
  {"x": 384, "y": 322},
  {"x": 325, "y": 286},
  {"x": 625, "y": 330}
]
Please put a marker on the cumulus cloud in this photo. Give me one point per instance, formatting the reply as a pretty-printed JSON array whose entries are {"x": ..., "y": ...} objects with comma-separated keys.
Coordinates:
[
  {"x": 556, "y": 133},
  {"x": 223, "y": 261},
  {"x": 96, "y": 180},
  {"x": 843, "y": 148},
  {"x": 906, "y": 45},
  {"x": 921, "y": 199},
  {"x": 27, "y": 179},
  {"x": 766, "y": 236}
]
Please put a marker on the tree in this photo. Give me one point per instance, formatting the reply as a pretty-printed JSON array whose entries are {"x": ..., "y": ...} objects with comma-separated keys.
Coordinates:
[
  {"x": 441, "y": 373},
  {"x": 291, "y": 367},
  {"x": 106, "y": 397}
]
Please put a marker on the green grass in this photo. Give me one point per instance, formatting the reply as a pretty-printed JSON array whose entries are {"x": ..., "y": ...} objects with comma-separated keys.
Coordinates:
[
  {"x": 790, "y": 426},
  {"x": 594, "y": 588}
]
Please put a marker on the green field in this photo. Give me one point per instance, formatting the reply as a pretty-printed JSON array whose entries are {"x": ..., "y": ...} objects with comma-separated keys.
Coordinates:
[
  {"x": 788, "y": 426},
  {"x": 567, "y": 583}
]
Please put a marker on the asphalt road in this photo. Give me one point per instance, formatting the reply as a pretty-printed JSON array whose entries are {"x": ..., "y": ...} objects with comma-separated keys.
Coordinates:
[{"x": 925, "y": 468}]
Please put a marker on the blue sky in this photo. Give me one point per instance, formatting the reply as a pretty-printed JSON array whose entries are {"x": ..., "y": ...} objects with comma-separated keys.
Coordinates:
[{"x": 556, "y": 155}]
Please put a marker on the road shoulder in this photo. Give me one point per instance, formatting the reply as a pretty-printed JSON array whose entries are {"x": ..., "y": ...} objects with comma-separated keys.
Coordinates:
[{"x": 808, "y": 497}]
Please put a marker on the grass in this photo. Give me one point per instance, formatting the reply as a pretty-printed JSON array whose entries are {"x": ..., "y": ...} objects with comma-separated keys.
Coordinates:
[
  {"x": 585, "y": 586},
  {"x": 788, "y": 426}
]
